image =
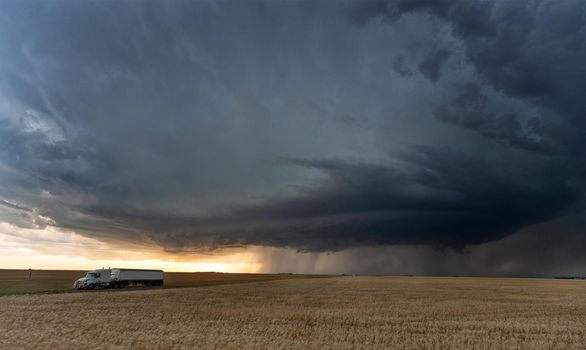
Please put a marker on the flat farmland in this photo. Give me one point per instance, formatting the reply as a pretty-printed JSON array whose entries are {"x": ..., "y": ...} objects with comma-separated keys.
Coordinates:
[
  {"x": 55, "y": 281},
  {"x": 320, "y": 313}
]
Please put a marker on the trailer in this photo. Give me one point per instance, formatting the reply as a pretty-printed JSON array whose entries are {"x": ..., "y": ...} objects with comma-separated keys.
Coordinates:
[
  {"x": 133, "y": 277},
  {"x": 119, "y": 278}
]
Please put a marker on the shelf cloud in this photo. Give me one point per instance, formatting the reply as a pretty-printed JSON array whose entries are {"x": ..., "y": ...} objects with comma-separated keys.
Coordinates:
[{"x": 313, "y": 126}]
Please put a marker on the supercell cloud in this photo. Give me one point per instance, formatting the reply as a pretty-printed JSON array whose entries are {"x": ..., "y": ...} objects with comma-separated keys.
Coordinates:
[{"x": 313, "y": 125}]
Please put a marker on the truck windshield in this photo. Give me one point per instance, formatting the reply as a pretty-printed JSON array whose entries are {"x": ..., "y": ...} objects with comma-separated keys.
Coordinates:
[{"x": 91, "y": 275}]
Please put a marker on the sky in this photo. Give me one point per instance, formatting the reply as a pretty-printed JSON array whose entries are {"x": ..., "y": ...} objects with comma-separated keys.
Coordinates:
[{"x": 429, "y": 137}]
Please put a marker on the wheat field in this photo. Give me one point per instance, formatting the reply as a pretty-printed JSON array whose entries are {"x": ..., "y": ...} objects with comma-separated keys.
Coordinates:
[
  {"x": 59, "y": 281},
  {"x": 330, "y": 313}
]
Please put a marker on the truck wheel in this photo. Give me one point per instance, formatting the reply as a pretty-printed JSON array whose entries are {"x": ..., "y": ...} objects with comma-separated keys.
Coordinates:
[{"x": 91, "y": 286}]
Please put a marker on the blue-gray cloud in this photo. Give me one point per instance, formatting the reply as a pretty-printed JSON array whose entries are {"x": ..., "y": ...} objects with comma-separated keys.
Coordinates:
[{"x": 313, "y": 125}]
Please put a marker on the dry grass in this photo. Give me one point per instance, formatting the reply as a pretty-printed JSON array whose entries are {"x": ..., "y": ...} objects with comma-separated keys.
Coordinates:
[
  {"x": 54, "y": 281},
  {"x": 42, "y": 281},
  {"x": 333, "y": 313}
]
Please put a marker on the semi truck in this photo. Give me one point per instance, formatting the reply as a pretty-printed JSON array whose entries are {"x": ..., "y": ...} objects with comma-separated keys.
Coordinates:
[{"x": 118, "y": 278}]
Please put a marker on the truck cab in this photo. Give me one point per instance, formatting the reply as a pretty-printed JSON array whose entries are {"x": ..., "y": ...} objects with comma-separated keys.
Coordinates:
[{"x": 94, "y": 279}]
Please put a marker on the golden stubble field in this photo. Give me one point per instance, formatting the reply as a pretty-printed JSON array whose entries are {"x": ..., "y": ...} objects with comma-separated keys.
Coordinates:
[
  {"x": 58, "y": 281},
  {"x": 329, "y": 313}
]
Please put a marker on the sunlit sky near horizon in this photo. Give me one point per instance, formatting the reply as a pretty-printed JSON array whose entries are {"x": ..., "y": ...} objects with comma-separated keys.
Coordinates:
[{"x": 55, "y": 249}]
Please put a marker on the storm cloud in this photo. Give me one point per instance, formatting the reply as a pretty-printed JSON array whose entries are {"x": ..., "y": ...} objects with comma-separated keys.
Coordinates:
[{"x": 313, "y": 125}]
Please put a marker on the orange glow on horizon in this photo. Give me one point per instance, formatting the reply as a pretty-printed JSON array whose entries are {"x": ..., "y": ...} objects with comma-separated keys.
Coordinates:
[
  {"x": 57, "y": 262},
  {"x": 54, "y": 249}
]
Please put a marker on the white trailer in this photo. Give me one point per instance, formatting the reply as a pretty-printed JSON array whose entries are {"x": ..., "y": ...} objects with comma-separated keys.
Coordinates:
[
  {"x": 131, "y": 277},
  {"x": 118, "y": 278}
]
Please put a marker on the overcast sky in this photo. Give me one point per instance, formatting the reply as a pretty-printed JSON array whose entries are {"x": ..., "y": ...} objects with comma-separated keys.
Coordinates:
[{"x": 400, "y": 136}]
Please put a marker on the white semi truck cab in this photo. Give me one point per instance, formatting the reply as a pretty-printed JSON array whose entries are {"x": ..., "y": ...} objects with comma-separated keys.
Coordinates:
[
  {"x": 94, "y": 279},
  {"x": 119, "y": 277}
]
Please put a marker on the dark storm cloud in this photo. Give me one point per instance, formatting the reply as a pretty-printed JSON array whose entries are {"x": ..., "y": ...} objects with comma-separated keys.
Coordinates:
[
  {"x": 401, "y": 68},
  {"x": 528, "y": 49},
  {"x": 430, "y": 66},
  {"x": 469, "y": 110},
  {"x": 14, "y": 206},
  {"x": 533, "y": 252},
  {"x": 207, "y": 124},
  {"x": 445, "y": 199}
]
